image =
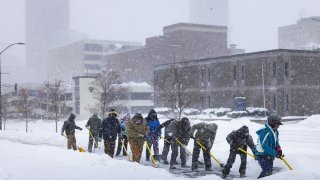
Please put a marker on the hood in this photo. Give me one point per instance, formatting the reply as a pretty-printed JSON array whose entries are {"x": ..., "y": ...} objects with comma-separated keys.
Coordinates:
[
  {"x": 243, "y": 131},
  {"x": 211, "y": 127}
]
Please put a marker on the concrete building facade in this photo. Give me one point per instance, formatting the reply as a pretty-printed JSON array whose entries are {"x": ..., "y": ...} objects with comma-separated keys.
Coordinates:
[
  {"x": 290, "y": 83},
  {"x": 305, "y": 35},
  {"x": 179, "y": 42},
  {"x": 82, "y": 58}
]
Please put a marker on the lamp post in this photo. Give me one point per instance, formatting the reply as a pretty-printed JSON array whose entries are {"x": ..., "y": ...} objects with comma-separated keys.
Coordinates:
[
  {"x": 19, "y": 43},
  {"x": 129, "y": 91}
]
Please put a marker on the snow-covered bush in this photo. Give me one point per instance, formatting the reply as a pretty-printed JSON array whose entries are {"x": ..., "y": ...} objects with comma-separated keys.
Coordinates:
[
  {"x": 222, "y": 111},
  {"x": 236, "y": 114},
  {"x": 255, "y": 111},
  {"x": 209, "y": 111},
  {"x": 163, "y": 110},
  {"x": 191, "y": 111}
]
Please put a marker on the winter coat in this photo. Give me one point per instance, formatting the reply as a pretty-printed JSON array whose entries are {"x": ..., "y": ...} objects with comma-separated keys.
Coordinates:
[
  {"x": 94, "y": 123},
  {"x": 268, "y": 140},
  {"x": 137, "y": 129},
  {"x": 110, "y": 128},
  {"x": 69, "y": 126},
  {"x": 182, "y": 131},
  {"x": 153, "y": 124},
  {"x": 123, "y": 131},
  {"x": 206, "y": 133},
  {"x": 240, "y": 139}
]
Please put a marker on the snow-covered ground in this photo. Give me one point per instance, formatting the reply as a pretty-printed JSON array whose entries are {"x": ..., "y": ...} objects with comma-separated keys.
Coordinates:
[{"x": 41, "y": 153}]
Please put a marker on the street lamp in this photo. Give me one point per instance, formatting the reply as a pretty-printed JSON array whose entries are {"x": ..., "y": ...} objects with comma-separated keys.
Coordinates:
[
  {"x": 19, "y": 43},
  {"x": 129, "y": 91}
]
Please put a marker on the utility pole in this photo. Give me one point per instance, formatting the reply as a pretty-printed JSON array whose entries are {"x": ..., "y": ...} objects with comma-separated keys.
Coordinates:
[{"x": 0, "y": 80}]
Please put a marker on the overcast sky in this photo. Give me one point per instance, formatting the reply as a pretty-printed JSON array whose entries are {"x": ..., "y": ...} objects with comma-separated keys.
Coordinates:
[{"x": 253, "y": 23}]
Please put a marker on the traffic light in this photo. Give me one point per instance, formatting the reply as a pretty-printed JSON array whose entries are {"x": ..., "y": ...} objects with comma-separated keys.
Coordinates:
[{"x": 16, "y": 87}]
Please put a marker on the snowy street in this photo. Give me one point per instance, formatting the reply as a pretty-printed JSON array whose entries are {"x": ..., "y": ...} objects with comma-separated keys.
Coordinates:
[{"x": 42, "y": 154}]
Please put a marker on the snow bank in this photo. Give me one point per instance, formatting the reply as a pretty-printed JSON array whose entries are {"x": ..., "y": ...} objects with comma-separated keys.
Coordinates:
[{"x": 311, "y": 122}]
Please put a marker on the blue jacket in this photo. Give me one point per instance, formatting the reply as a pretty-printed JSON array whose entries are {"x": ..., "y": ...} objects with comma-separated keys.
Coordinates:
[
  {"x": 268, "y": 140},
  {"x": 123, "y": 129},
  {"x": 153, "y": 124}
]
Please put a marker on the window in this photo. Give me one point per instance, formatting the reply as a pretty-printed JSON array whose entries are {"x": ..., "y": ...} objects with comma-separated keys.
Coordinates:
[
  {"x": 242, "y": 73},
  {"x": 93, "y": 47},
  {"x": 209, "y": 102},
  {"x": 202, "y": 73},
  {"x": 287, "y": 102},
  {"x": 274, "y": 102},
  {"x": 286, "y": 69},
  {"x": 209, "y": 80},
  {"x": 235, "y": 73},
  {"x": 274, "y": 69},
  {"x": 92, "y": 57},
  {"x": 92, "y": 67}
]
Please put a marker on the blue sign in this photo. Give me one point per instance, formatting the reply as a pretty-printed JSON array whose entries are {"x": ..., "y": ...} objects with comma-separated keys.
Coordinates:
[{"x": 240, "y": 103}]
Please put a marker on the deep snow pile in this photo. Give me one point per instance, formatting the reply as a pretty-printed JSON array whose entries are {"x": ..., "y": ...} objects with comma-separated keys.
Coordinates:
[{"x": 42, "y": 153}]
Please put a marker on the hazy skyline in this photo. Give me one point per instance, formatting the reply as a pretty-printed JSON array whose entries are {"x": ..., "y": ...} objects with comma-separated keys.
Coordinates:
[{"x": 253, "y": 23}]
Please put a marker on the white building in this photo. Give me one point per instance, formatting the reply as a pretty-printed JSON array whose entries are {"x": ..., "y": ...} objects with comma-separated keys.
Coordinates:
[
  {"x": 82, "y": 58},
  {"x": 211, "y": 12},
  {"x": 305, "y": 35},
  {"x": 137, "y": 98}
]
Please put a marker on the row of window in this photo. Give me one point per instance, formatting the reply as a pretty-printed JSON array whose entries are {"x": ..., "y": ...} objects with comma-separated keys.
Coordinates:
[{"x": 242, "y": 75}]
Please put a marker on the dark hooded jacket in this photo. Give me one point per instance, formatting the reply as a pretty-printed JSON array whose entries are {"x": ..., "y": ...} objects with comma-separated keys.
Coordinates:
[
  {"x": 183, "y": 129},
  {"x": 110, "y": 128},
  {"x": 94, "y": 123},
  {"x": 206, "y": 133},
  {"x": 240, "y": 139},
  {"x": 69, "y": 126}
]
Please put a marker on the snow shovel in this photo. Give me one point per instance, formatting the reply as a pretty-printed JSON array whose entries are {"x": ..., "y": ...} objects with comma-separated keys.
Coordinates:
[
  {"x": 153, "y": 161},
  {"x": 203, "y": 148},
  {"x": 246, "y": 152},
  {"x": 94, "y": 140},
  {"x": 282, "y": 158},
  {"x": 125, "y": 149},
  {"x": 184, "y": 146},
  {"x": 81, "y": 149}
]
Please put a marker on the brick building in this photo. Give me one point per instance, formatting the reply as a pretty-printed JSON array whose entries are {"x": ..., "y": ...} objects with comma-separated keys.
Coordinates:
[{"x": 291, "y": 80}]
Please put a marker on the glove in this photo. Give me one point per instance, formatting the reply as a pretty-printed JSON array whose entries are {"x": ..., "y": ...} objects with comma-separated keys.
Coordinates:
[
  {"x": 143, "y": 136},
  {"x": 191, "y": 137},
  {"x": 279, "y": 152},
  {"x": 80, "y": 129},
  {"x": 62, "y": 134}
]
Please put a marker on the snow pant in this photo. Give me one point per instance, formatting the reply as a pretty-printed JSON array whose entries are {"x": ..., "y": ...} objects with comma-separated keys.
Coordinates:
[
  {"x": 136, "y": 146},
  {"x": 152, "y": 141},
  {"x": 166, "y": 148},
  {"x": 266, "y": 164},
  {"x": 175, "y": 146},
  {"x": 109, "y": 147},
  {"x": 91, "y": 141},
  {"x": 72, "y": 141},
  {"x": 232, "y": 158},
  {"x": 123, "y": 138},
  {"x": 196, "y": 154}
]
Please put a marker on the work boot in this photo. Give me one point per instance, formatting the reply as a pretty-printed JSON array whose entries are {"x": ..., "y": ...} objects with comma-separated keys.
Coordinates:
[
  {"x": 173, "y": 166},
  {"x": 175, "y": 163},
  {"x": 224, "y": 176},
  {"x": 185, "y": 166},
  {"x": 165, "y": 162},
  {"x": 242, "y": 174},
  {"x": 209, "y": 169},
  {"x": 194, "y": 169}
]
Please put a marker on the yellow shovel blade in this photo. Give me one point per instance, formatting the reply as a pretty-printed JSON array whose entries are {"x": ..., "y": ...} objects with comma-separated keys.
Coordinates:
[{"x": 81, "y": 149}]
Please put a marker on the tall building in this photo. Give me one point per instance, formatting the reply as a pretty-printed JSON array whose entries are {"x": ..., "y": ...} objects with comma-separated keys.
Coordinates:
[
  {"x": 47, "y": 27},
  {"x": 82, "y": 58},
  {"x": 211, "y": 12},
  {"x": 304, "y": 35}
]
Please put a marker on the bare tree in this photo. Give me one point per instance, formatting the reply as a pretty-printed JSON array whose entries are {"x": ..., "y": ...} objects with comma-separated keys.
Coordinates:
[
  {"x": 176, "y": 92},
  {"x": 5, "y": 108},
  {"x": 25, "y": 104},
  {"x": 55, "y": 92},
  {"x": 106, "y": 91}
]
